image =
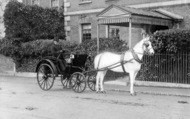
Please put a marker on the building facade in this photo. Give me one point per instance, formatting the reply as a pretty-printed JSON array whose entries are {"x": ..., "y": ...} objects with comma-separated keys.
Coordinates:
[{"x": 82, "y": 17}]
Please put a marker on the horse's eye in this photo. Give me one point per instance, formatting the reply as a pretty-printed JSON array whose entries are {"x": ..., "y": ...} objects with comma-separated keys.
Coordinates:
[{"x": 146, "y": 44}]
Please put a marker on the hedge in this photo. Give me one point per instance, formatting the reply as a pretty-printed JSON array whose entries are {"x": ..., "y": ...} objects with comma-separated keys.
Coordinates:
[
  {"x": 32, "y": 22},
  {"x": 35, "y": 50},
  {"x": 171, "y": 41}
]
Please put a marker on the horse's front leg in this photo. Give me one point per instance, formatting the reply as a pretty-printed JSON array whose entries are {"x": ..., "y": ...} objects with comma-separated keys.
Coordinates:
[
  {"x": 102, "y": 85},
  {"x": 132, "y": 80}
]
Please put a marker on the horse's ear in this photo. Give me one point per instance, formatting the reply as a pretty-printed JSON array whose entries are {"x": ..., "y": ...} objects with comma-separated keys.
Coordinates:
[{"x": 147, "y": 38}]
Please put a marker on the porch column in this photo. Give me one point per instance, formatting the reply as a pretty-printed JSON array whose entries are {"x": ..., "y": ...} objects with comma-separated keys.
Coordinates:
[
  {"x": 98, "y": 47},
  {"x": 107, "y": 31},
  {"x": 130, "y": 32}
]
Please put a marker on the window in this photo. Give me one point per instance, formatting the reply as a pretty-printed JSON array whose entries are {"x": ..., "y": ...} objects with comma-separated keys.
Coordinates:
[
  {"x": 114, "y": 33},
  {"x": 110, "y": 0},
  {"x": 86, "y": 32},
  {"x": 35, "y": 2},
  {"x": 55, "y": 4},
  {"x": 85, "y": 2}
]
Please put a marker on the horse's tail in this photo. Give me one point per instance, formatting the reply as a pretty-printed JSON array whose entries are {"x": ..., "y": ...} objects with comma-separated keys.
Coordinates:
[{"x": 97, "y": 61}]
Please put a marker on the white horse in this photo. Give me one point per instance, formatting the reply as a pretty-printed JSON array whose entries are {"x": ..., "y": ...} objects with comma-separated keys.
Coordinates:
[{"x": 129, "y": 62}]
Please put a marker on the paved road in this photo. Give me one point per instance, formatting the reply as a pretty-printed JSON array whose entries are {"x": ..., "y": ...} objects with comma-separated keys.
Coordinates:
[{"x": 21, "y": 98}]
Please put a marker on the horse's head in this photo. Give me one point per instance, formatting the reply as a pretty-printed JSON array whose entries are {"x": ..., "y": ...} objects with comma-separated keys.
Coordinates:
[{"x": 147, "y": 46}]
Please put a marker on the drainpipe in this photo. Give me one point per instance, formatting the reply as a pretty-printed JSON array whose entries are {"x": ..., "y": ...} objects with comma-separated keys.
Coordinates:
[
  {"x": 130, "y": 32},
  {"x": 98, "y": 47}
]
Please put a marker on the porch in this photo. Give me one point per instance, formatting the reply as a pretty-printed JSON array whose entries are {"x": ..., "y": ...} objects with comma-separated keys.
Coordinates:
[{"x": 147, "y": 21}]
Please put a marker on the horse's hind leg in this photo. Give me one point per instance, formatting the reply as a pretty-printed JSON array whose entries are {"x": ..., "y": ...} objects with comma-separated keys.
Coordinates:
[
  {"x": 97, "y": 81},
  {"x": 103, "y": 73}
]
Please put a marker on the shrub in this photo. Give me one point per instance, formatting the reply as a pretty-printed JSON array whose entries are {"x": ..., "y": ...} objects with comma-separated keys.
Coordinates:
[
  {"x": 172, "y": 41},
  {"x": 32, "y": 22},
  {"x": 106, "y": 44},
  {"x": 36, "y": 49}
]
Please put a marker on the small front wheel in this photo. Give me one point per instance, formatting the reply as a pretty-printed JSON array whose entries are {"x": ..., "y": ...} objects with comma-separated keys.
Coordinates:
[
  {"x": 45, "y": 77},
  {"x": 78, "y": 82},
  {"x": 92, "y": 82}
]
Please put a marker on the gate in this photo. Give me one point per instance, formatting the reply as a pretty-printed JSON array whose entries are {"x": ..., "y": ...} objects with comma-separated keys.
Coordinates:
[{"x": 171, "y": 68}]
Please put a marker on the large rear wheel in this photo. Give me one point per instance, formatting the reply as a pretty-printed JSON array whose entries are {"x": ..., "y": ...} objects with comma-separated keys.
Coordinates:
[{"x": 45, "y": 77}]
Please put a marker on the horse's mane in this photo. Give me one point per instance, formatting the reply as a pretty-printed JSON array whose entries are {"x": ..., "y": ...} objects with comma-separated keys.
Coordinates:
[{"x": 111, "y": 51}]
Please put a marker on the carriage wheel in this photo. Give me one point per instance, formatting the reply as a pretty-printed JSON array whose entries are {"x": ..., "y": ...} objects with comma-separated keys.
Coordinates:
[
  {"x": 66, "y": 82},
  {"x": 45, "y": 77},
  {"x": 92, "y": 82},
  {"x": 78, "y": 82}
]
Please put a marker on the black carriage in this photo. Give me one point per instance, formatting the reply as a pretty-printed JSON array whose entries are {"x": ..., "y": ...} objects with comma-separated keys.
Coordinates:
[{"x": 73, "y": 71}]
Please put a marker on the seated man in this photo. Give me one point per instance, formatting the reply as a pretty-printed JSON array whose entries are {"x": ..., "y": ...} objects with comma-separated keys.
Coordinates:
[{"x": 56, "y": 49}]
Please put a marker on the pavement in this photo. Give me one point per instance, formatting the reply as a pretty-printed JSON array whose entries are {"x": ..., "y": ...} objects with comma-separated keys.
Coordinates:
[
  {"x": 150, "y": 89},
  {"x": 153, "y": 88},
  {"x": 21, "y": 98}
]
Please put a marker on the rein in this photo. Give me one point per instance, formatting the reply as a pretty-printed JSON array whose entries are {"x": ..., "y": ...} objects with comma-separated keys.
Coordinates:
[
  {"x": 135, "y": 56},
  {"x": 122, "y": 62}
]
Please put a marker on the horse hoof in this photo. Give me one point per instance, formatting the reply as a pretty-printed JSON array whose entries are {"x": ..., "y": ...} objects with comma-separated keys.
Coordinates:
[
  {"x": 133, "y": 94},
  {"x": 98, "y": 92},
  {"x": 104, "y": 92}
]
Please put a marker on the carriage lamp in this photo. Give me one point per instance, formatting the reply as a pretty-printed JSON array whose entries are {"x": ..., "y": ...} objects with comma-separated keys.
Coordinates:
[
  {"x": 69, "y": 60},
  {"x": 72, "y": 56}
]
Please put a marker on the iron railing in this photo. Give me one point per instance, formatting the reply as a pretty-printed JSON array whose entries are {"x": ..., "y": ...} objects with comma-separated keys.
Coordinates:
[{"x": 172, "y": 68}]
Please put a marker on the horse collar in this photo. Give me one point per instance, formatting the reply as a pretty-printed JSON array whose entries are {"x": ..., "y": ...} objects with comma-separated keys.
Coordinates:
[
  {"x": 135, "y": 56},
  {"x": 122, "y": 62}
]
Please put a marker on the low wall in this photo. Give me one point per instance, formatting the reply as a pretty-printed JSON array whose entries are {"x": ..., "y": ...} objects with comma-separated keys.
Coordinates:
[{"x": 6, "y": 65}]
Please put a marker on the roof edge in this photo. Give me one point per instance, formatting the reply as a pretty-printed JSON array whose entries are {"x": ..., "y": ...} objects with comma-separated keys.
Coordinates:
[{"x": 169, "y": 14}]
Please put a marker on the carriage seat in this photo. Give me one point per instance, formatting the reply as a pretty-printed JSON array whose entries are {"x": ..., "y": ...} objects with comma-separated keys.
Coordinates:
[{"x": 80, "y": 60}]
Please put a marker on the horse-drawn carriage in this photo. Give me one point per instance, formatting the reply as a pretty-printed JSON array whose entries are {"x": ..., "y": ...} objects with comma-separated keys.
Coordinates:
[
  {"x": 76, "y": 73},
  {"x": 71, "y": 71}
]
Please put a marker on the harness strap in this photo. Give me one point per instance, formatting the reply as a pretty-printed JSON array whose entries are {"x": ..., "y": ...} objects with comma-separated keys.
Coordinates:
[
  {"x": 122, "y": 62},
  {"x": 135, "y": 56}
]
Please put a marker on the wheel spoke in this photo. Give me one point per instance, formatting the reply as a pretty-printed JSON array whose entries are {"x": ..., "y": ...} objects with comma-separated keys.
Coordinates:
[
  {"x": 78, "y": 88},
  {"x": 45, "y": 85},
  {"x": 48, "y": 84},
  {"x": 42, "y": 83},
  {"x": 75, "y": 86}
]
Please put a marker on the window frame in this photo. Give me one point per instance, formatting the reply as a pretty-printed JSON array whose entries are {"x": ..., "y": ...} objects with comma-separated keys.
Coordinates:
[
  {"x": 34, "y": 2},
  {"x": 86, "y": 33},
  {"x": 114, "y": 33},
  {"x": 85, "y": 2},
  {"x": 55, "y": 7}
]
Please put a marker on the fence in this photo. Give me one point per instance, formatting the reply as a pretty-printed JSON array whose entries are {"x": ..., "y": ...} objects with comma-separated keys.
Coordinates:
[{"x": 166, "y": 68}]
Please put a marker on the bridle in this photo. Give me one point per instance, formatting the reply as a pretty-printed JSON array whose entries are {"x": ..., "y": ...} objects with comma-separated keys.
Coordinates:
[{"x": 146, "y": 44}]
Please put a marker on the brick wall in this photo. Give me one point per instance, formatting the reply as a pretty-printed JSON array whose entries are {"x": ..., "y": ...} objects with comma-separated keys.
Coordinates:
[
  {"x": 76, "y": 21},
  {"x": 75, "y": 25},
  {"x": 76, "y": 5},
  {"x": 182, "y": 10},
  {"x": 42, "y": 3}
]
